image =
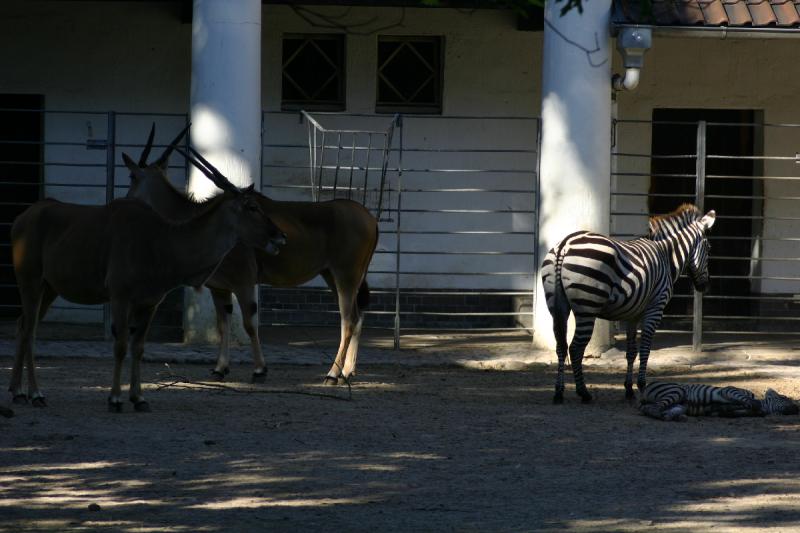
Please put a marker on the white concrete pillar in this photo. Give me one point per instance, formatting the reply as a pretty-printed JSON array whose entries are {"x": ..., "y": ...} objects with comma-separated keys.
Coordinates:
[
  {"x": 576, "y": 139},
  {"x": 226, "y": 117}
]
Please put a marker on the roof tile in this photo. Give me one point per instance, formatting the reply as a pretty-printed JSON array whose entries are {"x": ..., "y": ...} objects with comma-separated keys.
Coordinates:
[
  {"x": 738, "y": 14},
  {"x": 755, "y": 13},
  {"x": 713, "y": 12},
  {"x": 761, "y": 13},
  {"x": 785, "y": 12}
]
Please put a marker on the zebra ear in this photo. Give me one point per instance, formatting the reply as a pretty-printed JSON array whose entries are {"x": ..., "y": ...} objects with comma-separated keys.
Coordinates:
[{"x": 708, "y": 220}]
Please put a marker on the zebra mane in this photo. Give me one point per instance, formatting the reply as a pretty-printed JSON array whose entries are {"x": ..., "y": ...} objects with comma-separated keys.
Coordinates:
[{"x": 661, "y": 226}]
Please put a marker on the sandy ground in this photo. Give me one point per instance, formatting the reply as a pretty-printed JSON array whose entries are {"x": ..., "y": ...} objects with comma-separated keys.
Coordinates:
[{"x": 414, "y": 447}]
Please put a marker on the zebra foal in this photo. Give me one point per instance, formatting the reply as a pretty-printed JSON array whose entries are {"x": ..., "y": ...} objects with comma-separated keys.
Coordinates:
[
  {"x": 676, "y": 401},
  {"x": 594, "y": 276}
]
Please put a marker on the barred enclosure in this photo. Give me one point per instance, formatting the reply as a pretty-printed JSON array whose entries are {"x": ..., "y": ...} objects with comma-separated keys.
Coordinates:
[
  {"x": 458, "y": 229},
  {"x": 456, "y": 198},
  {"x": 746, "y": 170}
]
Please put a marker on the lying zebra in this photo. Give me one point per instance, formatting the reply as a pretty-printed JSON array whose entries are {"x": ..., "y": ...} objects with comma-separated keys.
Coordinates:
[{"x": 676, "y": 401}]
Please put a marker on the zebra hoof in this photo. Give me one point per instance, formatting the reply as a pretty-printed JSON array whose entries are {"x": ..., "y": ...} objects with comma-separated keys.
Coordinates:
[
  {"x": 216, "y": 375},
  {"x": 330, "y": 381},
  {"x": 259, "y": 377},
  {"x": 39, "y": 401},
  {"x": 20, "y": 399},
  {"x": 141, "y": 407},
  {"x": 114, "y": 406}
]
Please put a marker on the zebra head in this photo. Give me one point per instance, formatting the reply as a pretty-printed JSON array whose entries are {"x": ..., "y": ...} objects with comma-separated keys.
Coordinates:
[
  {"x": 698, "y": 260},
  {"x": 777, "y": 404},
  {"x": 685, "y": 218}
]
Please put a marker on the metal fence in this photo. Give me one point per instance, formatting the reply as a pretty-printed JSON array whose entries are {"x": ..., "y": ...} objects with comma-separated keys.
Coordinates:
[
  {"x": 74, "y": 156},
  {"x": 748, "y": 172},
  {"x": 458, "y": 225},
  {"x": 458, "y": 232},
  {"x": 458, "y": 229}
]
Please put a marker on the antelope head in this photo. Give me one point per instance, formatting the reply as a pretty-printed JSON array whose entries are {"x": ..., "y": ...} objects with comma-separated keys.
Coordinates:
[
  {"x": 253, "y": 227},
  {"x": 149, "y": 185}
]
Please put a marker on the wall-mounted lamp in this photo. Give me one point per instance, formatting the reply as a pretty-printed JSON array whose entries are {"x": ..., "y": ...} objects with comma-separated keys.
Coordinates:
[{"x": 632, "y": 43}]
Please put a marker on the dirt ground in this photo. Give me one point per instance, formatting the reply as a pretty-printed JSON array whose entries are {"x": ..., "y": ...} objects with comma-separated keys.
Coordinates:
[{"x": 416, "y": 448}]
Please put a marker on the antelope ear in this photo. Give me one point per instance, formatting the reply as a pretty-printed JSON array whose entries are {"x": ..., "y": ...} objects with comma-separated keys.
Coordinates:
[{"x": 708, "y": 220}]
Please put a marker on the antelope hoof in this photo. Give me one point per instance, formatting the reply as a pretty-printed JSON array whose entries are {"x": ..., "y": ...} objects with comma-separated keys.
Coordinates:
[
  {"x": 558, "y": 398},
  {"x": 20, "y": 399},
  {"x": 6, "y": 412},
  {"x": 39, "y": 401},
  {"x": 216, "y": 375},
  {"x": 259, "y": 377},
  {"x": 330, "y": 381},
  {"x": 586, "y": 397},
  {"x": 141, "y": 406},
  {"x": 114, "y": 406}
]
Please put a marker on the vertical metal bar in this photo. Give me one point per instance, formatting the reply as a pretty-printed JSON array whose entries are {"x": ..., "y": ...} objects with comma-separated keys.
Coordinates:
[
  {"x": 397, "y": 238},
  {"x": 110, "y": 155},
  {"x": 700, "y": 193},
  {"x": 352, "y": 165},
  {"x": 387, "y": 147},
  {"x": 536, "y": 237},
  {"x": 312, "y": 155},
  {"x": 338, "y": 164},
  {"x": 321, "y": 164},
  {"x": 366, "y": 170},
  {"x": 111, "y": 141}
]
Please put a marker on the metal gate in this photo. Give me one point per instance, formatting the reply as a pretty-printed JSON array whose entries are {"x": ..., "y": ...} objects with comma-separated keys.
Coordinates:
[
  {"x": 745, "y": 169},
  {"x": 458, "y": 231}
]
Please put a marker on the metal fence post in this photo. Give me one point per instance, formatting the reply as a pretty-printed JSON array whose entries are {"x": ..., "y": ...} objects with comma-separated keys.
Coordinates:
[
  {"x": 700, "y": 192},
  {"x": 111, "y": 153},
  {"x": 397, "y": 237},
  {"x": 537, "y": 241}
]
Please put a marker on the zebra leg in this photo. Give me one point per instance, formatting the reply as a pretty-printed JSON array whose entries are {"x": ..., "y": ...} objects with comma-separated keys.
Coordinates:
[
  {"x": 665, "y": 401},
  {"x": 560, "y": 331},
  {"x": 630, "y": 355},
  {"x": 584, "y": 326},
  {"x": 648, "y": 330},
  {"x": 676, "y": 412}
]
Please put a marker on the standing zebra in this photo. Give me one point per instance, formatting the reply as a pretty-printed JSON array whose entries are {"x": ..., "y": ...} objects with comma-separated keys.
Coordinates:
[
  {"x": 676, "y": 401},
  {"x": 595, "y": 276}
]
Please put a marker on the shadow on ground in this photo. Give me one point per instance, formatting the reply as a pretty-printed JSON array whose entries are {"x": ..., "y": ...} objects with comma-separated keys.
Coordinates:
[{"x": 423, "y": 448}]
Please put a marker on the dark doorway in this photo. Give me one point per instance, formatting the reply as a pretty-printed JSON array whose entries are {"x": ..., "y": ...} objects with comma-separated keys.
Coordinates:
[
  {"x": 729, "y": 189},
  {"x": 21, "y": 157}
]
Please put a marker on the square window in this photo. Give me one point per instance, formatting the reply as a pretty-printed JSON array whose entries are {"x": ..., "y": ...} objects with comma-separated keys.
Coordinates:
[
  {"x": 313, "y": 72},
  {"x": 410, "y": 74}
]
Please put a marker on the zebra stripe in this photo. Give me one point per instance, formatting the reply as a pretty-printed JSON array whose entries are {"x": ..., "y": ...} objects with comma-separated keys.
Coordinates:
[
  {"x": 676, "y": 401},
  {"x": 594, "y": 276}
]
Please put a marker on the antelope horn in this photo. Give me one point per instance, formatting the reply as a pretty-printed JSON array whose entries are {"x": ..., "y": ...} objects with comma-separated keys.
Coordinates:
[
  {"x": 162, "y": 161},
  {"x": 219, "y": 175},
  {"x": 213, "y": 174},
  {"x": 147, "y": 147}
]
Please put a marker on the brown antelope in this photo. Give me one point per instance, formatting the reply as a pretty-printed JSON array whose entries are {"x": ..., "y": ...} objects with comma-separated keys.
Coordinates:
[
  {"x": 334, "y": 239},
  {"x": 125, "y": 253}
]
